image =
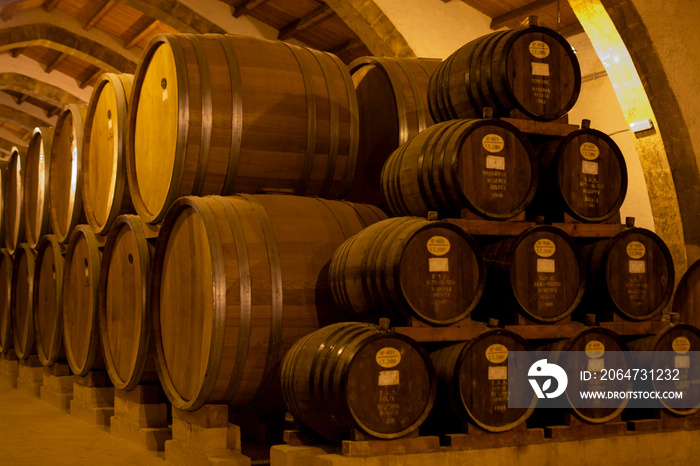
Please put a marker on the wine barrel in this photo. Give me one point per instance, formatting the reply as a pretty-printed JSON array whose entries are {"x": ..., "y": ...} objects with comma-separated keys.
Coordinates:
[
  {"x": 235, "y": 282},
  {"x": 105, "y": 190},
  {"x": 392, "y": 104},
  {"x": 686, "y": 299},
  {"x": 47, "y": 298},
  {"x": 538, "y": 274},
  {"x": 21, "y": 302},
  {"x": 124, "y": 320},
  {"x": 672, "y": 348},
  {"x": 6, "y": 266},
  {"x": 65, "y": 173},
  {"x": 81, "y": 274},
  {"x": 408, "y": 267},
  {"x": 225, "y": 114},
  {"x": 473, "y": 382},
  {"x": 388, "y": 382},
  {"x": 631, "y": 274},
  {"x": 485, "y": 166},
  {"x": 3, "y": 181},
  {"x": 583, "y": 175},
  {"x": 531, "y": 69},
  {"x": 14, "y": 199},
  {"x": 36, "y": 186}
]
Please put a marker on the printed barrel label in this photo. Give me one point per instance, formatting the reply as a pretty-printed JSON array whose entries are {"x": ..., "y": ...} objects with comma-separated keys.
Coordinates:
[
  {"x": 595, "y": 349},
  {"x": 388, "y": 357},
  {"x": 636, "y": 250},
  {"x": 545, "y": 247},
  {"x": 493, "y": 143},
  {"x": 589, "y": 151},
  {"x": 438, "y": 245},
  {"x": 539, "y": 49},
  {"x": 681, "y": 345},
  {"x": 496, "y": 353}
]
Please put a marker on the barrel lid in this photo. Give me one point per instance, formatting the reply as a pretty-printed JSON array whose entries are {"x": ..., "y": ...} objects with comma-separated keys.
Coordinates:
[
  {"x": 48, "y": 315},
  {"x": 21, "y": 301},
  {"x": 5, "y": 297},
  {"x": 13, "y": 194},
  {"x": 36, "y": 185}
]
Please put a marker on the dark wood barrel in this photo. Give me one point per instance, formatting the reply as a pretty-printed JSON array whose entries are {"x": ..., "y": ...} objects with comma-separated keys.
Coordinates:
[
  {"x": 235, "y": 282},
  {"x": 3, "y": 181},
  {"x": 408, "y": 267},
  {"x": 105, "y": 189},
  {"x": 686, "y": 299},
  {"x": 355, "y": 376},
  {"x": 65, "y": 173},
  {"x": 81, "y": 274},
  {"x": 6, "y": 267},
  {"x": 48, "y": 302},
  {"x": 14, "y": 199},
  {"x": 225, "y": 114},
  {"x": 21, "y": 302},
  {"x": 473, "y": 383},
  {"x": 36, "y": 186},
  {"x": 393, "y": 107},
  {"x": 631, "y": 274},
  {"x": 485, "y": 166},
  {"x": 538, "y": 274},
  {"x": 531, "y": 69},
  {"x": 672, "y": 348},
  {"x": 124, "y": 319},
  {"x": 583, "y": 175}
]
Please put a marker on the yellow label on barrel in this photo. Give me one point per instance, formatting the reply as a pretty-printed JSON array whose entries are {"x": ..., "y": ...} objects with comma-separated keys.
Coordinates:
[
  {"x": 595, "y": 349},
  {"x": 545, "y": 247},
  {"x": 681, "y": 345},
  {"x": 636, "y": 250},
  {"x": 496, "y": 353},
  {"x": 438, "y": 245},
  {"x": 493, "y": 143},
  {"x": 589, "y": 151},
  {"x": 539, "y": 49},
  {"x": 388, "y": 357}
]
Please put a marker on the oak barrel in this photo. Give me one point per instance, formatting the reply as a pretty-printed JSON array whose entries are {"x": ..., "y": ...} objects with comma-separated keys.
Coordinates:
[
  {"x": 485, "y": 166},
  {"x": 6, "y": 267},
  {"x": 124, "y": 318},
  {"x": 538, "y": 274},
  {"x": 48, "y": 302},
  {"x": 3, "y": 181},
  {"x": 393, "y": 107},
  {"x": 408, "y": 267},
  {"x": 531, "y": 69},
  {"x": 36, "y": 185},
  {"x": 473, "y": 383},
  {"x": 65, "y": 173},
  {"x": 21, "y": 302},
  {"x": 235, "y": 282},
  {"x": 81, "y": 274},
  {"x": 631, "y": 274},
  {"x": 583, "y": 175},
  {"x": 225, "y": 114},
  {"x": 14, "y": 199},
  {"x": 686, "y": 299},
  {"x": 355, "y": 376},
  {"x": 105, "y": 189}
]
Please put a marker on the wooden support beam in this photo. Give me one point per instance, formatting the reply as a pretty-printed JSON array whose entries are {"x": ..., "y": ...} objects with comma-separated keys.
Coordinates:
[
  {"x": 56, "y": 62},
  {"x": 22, "y": 98},
  {"x": 17, "y": 51},
  {"x": 53, "y": 111},
  {"x": 519, "y": 13},
  {"x": 106, "y": 6},
  {"x": 247, "y": 7},
  {"x": 141, "y": 34},
  {"x": 91, "y": 78},
  {"x": 51, "y": 4},
  {"x": 312, "y": 18},
  {"x": 344, "y": 47}
]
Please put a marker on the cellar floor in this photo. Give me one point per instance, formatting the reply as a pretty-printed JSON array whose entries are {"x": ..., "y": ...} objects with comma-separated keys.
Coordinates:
[{"x": 33, "y": 432}]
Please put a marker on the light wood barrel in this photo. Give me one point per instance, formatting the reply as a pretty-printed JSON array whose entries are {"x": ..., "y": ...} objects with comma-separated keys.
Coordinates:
[
  {"x": 6, "y": 267},
  {"x": 408, "y": 267},
  {"x": 22, "y": 301},
  {"x": 631, "y": 274},
  {"x": 105, "y": 189},
  {"x": 14, "y": 199},
  {"x": 473, "y": 383},
  {"x": 393, "y": 107},
  {"x": 125, "y": 321},
  {"x": 36, "y": 186},
  {"x": 485, "y": 166},
  {"x": 48, "y": 302},
  {"x": 236, "y": 281},
  {"x": 81, "y": 274},
  {"x": 388, "y": 383},
  {"x": 686, "y": 299},
  {"x": 224, "y": 114},
  {"x": 3, "y": 181},
  {"x": 65, "y": 173}
]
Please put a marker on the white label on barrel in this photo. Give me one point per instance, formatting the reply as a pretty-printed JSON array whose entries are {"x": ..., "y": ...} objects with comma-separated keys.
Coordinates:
[
  {"x": 540, "y": 69},
  {"x": 595, "y": 349},
  {"x": 109, "y": 124},
  {"x": 539, "y": 49},
  {"x": 636, "y": 250},
  {"x": 496, "y": 353},
  {"x": 165, "y": 95},
  {"x": 387, "y": 378},
  {"x": 545, "y": 247},
  {"x": 438, "y": 245},
  {"x": 493, "y": 143},
  {"x": 638, "y": 267},
  {"x": 498, "y": 372},
  {"x": 589, "y": 151},
  {"x": 682, "y": 362},
  {"x": 438, "y": 264},
  {"x": 596, "y": 365},
  {"x": 388, "y": 357},
  {"x": 546, "y": 266},
  {"x": 495, "y": 162},
  {"x": 589, "y": 168},
  {"x": 681, "y": 345}
]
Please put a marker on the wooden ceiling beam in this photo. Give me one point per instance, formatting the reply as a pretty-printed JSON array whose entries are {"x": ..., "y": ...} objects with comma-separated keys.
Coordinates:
[
  {"x": 305, "y": 22},
  {"x": 141, "y": 34},
  {"x": 21, "y": 99},
  {"x": 16, "y": 52},
  {"x": 51, "y": 4},
  {"x": 56, "y": 62},
  {"x": 8, "y": 11},
  {"x": 101, "y": 13},
  {"x": 519, "y": 13},
  {"x": 246, "y": 7},
  {"x": 345, "y": 47},
  {"x": 92, "y": 77}
]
